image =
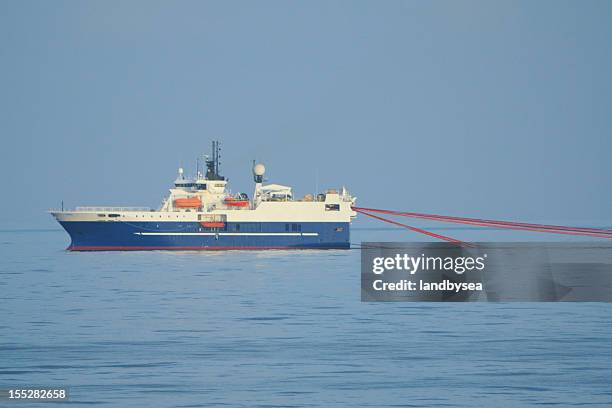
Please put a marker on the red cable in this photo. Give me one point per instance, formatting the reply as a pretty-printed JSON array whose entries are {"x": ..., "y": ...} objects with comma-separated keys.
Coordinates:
[
  {"x": 415, "y": 229},
  {"x": 600, "y": 233},
  {"x": 543, "y": 226},
  {"x": 506, "y": 226}
]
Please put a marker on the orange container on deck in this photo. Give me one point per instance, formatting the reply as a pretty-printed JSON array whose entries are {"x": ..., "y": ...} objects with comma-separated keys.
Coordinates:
[
  {"x": 212, "y": 224},
  {"x": 191, "y": 202}
]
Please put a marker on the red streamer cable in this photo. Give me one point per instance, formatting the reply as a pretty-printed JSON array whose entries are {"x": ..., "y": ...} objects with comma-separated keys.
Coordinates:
[
  {"x": 513, "y": 227},
  {"x": 415, "y": 229},
  {"x": 556, "y": 229},
  {"x": 434, "y": 216}
]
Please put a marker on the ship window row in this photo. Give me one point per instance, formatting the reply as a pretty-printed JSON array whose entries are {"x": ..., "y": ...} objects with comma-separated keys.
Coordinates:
[
  {"x": 248, "y": 227},
  {"x": 144, "y": 216},
  {"x": 199, "y": 186},
  {"x": 293, "y": 227}
]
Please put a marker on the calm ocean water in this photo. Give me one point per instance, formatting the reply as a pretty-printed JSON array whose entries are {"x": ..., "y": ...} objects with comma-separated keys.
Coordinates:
[{"x": 277, "y": 329}]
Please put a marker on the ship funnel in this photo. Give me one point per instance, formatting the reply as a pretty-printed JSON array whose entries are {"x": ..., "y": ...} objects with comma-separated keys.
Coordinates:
[{"x": 258, "y": 172}]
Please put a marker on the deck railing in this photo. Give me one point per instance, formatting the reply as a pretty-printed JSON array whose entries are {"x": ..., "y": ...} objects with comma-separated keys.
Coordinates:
[{"x": 113, "y": 209}]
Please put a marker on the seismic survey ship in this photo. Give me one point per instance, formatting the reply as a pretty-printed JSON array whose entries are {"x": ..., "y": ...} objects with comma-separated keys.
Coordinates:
[{"x": 199, "y": 214}]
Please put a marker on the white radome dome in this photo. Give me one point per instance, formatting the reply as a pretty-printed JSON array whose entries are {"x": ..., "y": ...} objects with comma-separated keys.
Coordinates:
[{"x": 259, "y": 169}]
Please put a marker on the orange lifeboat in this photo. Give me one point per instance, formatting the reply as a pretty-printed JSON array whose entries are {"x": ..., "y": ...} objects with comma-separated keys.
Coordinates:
[
  {"x": 212, "y": 224},
  {"x": 191, "y": 202},
  {"x": 235, "y": 202}
]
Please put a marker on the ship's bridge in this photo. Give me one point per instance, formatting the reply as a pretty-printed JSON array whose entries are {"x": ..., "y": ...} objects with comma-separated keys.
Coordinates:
[
  {"x": 214, "y": 186},
  {"x": 184, "y": 184}
]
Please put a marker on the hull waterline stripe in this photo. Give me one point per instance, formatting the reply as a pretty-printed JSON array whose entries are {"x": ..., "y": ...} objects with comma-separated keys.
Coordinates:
[
  {"x": 239, "y": 234},
  {"x": 192, "y": 248}
]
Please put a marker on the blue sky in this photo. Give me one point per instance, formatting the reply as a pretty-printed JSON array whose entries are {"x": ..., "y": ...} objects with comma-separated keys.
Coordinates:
[{"x": 497, "y": 109}]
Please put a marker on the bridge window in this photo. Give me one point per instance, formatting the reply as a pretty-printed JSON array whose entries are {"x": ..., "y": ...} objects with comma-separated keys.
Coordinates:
[{"x": 332, "y": 207}]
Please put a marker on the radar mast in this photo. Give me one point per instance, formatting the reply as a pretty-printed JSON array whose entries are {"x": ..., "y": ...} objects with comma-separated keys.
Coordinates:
[{"x": 212, "y": 164}]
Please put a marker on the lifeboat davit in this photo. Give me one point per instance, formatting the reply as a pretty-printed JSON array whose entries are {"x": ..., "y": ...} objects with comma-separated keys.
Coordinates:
[
  {"x": 235, "y": 202},
  {"x": 191, "y": 202}
]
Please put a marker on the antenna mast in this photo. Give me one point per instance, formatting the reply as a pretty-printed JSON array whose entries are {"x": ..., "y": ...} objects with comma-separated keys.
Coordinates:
[{"x": 212, "y": 165}]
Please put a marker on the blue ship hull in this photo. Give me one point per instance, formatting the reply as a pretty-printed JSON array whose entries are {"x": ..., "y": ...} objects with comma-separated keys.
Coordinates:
[{"x": 122, "y": 236}]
